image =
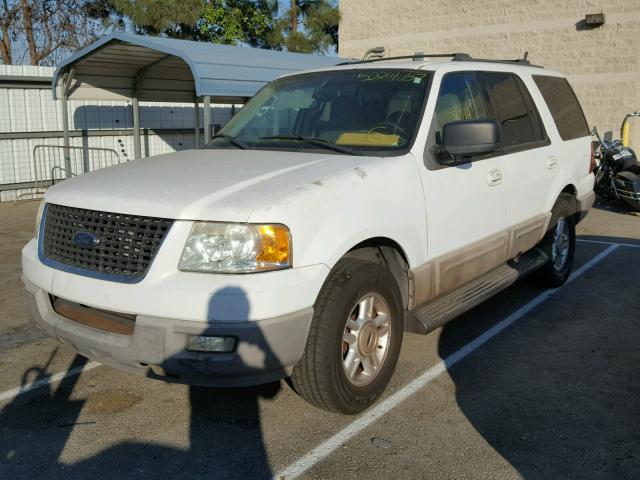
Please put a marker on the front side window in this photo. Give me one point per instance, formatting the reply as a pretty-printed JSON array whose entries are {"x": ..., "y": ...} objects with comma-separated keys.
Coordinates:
[
  {"x": 519, "y": 124},
  {"x": 460, "y": 98},
  {"x": 352, "y": 111}
]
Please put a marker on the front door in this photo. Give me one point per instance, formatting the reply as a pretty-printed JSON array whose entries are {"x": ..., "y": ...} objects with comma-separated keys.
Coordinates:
[{"x": 466, "y": 204}]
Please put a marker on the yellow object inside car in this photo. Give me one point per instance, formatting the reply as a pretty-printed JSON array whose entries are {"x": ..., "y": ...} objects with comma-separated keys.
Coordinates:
[{"x": 368, "y": 139}]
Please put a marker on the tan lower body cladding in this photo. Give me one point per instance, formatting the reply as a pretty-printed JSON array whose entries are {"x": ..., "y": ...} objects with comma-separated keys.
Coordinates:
[{"x": 448, "y": 272}]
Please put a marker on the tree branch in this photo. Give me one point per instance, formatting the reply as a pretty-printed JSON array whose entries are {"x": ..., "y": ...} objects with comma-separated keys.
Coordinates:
[
  {"x": 27, "y": 19},
  {"x": 6, "y": 23}
]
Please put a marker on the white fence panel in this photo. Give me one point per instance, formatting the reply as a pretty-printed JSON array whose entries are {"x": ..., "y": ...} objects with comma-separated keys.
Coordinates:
[{"x": 26, "y": 111}]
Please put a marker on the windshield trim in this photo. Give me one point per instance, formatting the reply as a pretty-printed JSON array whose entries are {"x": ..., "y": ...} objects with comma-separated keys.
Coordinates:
[{"x": 363, "y": 151}]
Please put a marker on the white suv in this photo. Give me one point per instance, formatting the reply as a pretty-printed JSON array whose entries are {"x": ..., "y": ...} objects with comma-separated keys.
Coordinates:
[{"x": 338, "y": 209}]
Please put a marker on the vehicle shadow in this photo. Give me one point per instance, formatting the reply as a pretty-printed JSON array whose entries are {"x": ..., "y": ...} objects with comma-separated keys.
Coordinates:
[
  {"x": 557, "y": 396},
  {"x": 615, "y": 206},
  {"x": 225, "y": 434}
]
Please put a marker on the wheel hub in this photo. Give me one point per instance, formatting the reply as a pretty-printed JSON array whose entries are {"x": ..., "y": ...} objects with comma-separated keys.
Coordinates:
[{"x": 368, "y": 338}]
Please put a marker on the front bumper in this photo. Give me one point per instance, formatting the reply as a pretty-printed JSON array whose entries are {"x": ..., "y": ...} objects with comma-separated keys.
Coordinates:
[
  {"x": 269, "y": 314},
  {"x": 266, "y": 350}
]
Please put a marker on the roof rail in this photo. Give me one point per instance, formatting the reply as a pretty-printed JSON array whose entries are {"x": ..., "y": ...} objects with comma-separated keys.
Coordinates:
[
  {"x": 455, "y": 57},
  {"x": 521, "y": 61}
]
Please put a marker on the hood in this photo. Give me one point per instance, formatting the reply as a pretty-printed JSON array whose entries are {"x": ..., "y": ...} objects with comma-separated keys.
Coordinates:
[{"x": 208, "y": 184}]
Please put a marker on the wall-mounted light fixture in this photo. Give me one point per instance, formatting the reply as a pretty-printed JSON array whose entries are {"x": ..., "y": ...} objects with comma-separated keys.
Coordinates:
[{"x": 594, "y": 19}]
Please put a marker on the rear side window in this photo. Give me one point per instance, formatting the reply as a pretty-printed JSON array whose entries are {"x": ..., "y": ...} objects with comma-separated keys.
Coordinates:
[
  {"x": 513, "y": 110},
  {"x": 564, "y": 106}
]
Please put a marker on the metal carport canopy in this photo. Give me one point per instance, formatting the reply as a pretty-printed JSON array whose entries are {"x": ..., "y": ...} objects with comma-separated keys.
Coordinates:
[
  {"x": 175, "y": 70},
  {"x": 157, "y": 69}
]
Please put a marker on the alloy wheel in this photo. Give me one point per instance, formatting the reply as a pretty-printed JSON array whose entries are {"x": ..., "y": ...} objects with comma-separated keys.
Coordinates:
[
  {"x": 560, "y": 244},
  {"x": 366, "y": 338}
]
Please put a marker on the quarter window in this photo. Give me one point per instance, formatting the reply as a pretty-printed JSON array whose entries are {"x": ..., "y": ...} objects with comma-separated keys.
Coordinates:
[
  {"x": 564, "y": 106},
  {"x": 518, "y": 121}
]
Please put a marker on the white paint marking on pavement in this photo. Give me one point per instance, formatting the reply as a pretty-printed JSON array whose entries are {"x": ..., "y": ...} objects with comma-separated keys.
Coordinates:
[
  {"x": 14, "y": 392},
  {"x": 327, "y": 447},
  {"x": 600, "y": 242}
]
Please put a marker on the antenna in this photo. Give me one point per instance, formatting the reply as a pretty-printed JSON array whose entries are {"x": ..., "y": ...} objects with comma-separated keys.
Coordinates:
[{"x": 375, "y": 52}]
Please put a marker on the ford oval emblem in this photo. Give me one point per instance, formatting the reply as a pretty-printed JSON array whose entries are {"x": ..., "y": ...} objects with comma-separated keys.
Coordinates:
[{"x": 85, "y": 239}]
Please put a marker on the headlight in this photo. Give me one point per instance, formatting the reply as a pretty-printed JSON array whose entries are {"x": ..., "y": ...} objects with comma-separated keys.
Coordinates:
[
  {"x": 39, "y": 218},
  {"x": 236, "y": 248}
]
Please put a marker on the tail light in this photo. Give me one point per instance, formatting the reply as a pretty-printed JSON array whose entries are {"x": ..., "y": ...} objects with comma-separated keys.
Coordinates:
[{"x": 592, "y": 165}]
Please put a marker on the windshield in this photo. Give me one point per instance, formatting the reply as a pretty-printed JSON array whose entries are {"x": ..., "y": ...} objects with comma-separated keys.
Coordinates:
[{"x": 350, "y": 112}]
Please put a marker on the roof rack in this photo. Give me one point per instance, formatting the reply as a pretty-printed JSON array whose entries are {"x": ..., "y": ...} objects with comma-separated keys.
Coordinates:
[{"x": 455, "y": 57}]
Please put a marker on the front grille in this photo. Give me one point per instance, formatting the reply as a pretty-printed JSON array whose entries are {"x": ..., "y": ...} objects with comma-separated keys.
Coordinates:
[{"x": 125, "y": 245}]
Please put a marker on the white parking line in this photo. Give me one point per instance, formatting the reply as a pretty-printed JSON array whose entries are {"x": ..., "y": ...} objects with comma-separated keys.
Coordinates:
[
  {"x": 601, "y": 242},
  {"x": 327, "y": 447},
  {"x": 14, "y": 392}
]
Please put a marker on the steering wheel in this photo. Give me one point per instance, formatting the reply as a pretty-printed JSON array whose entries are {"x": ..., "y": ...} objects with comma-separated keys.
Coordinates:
[{"x": 388, "y": 127}]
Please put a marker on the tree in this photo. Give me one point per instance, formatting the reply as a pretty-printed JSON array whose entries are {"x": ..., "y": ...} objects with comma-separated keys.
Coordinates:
[
  {"x": 8, "y": 16},
  {"x": 155, "y": 17},
  {"x": 233, "y": 22},
  {"x": 43, "y": 30},
  {"x": 105, "y": 12},
  {"x": 319, "y": 19}
]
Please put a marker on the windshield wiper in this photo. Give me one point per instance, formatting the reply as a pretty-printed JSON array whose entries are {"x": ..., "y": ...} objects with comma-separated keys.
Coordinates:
[
  {"x": 318, "y": 142},
  {"x": 233, "y": 140}
]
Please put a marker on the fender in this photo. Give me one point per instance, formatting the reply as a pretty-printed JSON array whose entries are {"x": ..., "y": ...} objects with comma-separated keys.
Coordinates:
[{"x": 330, "y": 216}]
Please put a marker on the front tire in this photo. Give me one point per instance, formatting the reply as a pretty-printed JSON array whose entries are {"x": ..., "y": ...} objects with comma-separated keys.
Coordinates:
[{"x": 354, "y": 340}]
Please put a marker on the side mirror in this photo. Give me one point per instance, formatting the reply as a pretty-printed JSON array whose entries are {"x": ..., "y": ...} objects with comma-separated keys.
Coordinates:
[{"x": 470, "y": 137}]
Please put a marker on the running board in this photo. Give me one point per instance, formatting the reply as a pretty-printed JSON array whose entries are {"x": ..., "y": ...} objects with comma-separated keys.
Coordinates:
[{"x": 435, "y": 313}]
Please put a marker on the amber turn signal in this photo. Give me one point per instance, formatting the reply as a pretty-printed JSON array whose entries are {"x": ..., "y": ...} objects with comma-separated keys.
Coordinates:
[{"x": 275, "y": 248}]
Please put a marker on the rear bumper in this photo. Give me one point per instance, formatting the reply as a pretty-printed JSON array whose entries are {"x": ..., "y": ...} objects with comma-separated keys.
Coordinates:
[
  {"x": 584, "y": 204},
  {"x": 266, "y": 350}
]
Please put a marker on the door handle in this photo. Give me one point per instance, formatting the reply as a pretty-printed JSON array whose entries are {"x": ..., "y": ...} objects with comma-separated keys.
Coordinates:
[
  {"x": 494, "y": 178},
  {"x": 552, "y": 162}
]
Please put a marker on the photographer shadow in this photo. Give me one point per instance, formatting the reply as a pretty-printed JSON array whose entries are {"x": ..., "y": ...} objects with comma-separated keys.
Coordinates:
[{"x": 225, "y": 433}]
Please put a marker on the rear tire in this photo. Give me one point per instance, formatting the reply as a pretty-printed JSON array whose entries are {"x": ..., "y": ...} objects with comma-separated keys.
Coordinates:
[
  {"x": 559, "y": 244},
  {"x": 354, "y": 340}
]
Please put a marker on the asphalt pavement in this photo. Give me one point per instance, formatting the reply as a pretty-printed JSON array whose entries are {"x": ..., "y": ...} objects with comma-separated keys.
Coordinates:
[{"x": 532, "y": 384}]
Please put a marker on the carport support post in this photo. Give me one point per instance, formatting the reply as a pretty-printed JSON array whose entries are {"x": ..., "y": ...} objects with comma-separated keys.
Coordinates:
[
  {"x": 137, "y": 153},
  {"x": 65, "y": 128},
  {"x": 66, "y": 84},
  {"x": 196, "y": 118},
  {"x": 207, "y": 118}
]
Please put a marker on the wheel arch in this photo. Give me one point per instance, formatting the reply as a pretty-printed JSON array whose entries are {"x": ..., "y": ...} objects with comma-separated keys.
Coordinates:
[
  {"x": 570, "y": 189},
  {"x": 570, "y": 193},
  {"x": 387, "y": 252}
]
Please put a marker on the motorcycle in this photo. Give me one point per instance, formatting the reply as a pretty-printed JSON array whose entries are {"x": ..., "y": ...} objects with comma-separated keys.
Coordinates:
[{"x": 617, "y": 171}]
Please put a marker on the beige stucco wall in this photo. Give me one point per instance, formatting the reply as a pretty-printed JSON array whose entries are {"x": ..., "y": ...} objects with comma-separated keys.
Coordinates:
[{"x": 603, "y": 64}]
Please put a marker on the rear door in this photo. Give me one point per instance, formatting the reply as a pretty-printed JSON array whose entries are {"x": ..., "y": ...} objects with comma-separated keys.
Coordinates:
[
  {"x": 531, "y": 159},
  {"x": 569, "y": 130}
]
